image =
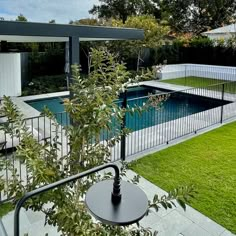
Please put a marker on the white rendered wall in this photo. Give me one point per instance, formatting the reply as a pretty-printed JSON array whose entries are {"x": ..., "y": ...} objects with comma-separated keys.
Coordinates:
[
  {"x": 10, "y": 74},
  {"x": 198, "y": 70}
]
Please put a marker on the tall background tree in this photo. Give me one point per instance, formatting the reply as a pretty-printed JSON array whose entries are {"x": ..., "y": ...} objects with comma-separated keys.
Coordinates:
[
  {"x": 121, "y": 9},
  {"x": 21, "y": 17},
  {"x": 154, "y": 36},
  {"x": 199, "y": 16},
  {"x": 182, "y": 15}
]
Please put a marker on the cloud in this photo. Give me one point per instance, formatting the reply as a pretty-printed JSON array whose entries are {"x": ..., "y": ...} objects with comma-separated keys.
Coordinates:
[{"x": 44, "y": 10}]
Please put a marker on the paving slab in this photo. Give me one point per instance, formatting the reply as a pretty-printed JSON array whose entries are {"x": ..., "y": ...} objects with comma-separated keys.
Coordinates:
[
  {"x": 206, "y": 223},
  {"x": 171, "y": 224},
  {"x": 227, "y": 233},
  {"x": 31, "y": 223},
  {"x": 194, "y": 230},
  {"x": 8, "y": 224},
  {"x": 151, "y": 219}
]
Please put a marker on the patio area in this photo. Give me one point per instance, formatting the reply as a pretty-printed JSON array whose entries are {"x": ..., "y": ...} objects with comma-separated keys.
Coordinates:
[{"x": 172, "y": 222}]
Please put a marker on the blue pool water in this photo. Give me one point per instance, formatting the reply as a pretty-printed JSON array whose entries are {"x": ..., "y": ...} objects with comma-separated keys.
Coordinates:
[
  {"x": 54, "y": 104},
  {"x": 177, "y": 105}
]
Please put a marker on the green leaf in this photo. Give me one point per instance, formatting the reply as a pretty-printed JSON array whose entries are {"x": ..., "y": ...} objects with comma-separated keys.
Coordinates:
[{"x": 181, "y": 203}]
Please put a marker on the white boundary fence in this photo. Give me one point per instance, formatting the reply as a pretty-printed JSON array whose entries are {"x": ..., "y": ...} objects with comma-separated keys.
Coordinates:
[{"x": 197, "y": 70}]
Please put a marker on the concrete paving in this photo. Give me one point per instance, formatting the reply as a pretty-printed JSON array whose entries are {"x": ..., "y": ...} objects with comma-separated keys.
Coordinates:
[
  {"x": 31, "y": 223},
  {"x": 171, "y": 222}
]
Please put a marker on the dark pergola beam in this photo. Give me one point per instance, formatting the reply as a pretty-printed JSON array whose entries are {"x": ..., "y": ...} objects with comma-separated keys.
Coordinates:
[
  {"x": 59, "y": 30},
  {"x": 74, "y": 55}
]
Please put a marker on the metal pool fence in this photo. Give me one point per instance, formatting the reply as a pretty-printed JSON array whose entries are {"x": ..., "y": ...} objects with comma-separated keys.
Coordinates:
[
  {"x": 205, "y": 106},
  {"x": 213, "y": 104}
]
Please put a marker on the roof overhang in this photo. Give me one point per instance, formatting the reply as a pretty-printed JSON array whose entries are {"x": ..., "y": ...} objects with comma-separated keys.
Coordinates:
[
  {"x": 226, "y": 32},
  {"x": 13, "y": 31}
]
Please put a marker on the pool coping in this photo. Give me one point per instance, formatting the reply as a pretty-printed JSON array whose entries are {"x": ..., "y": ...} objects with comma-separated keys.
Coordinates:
[
  {"x": 60, "y": 94},
  {"x": 28, "y": 111},
  {"x": 43, "y": 96}
]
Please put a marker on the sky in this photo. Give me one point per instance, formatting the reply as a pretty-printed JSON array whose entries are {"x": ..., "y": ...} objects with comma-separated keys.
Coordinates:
[{"x": 62, "y": 11}]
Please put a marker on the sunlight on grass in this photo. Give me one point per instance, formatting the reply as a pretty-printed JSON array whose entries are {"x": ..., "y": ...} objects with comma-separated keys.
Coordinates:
[
  {"x": 197, "y": 82},
  {"x": 207, "y": 161}
]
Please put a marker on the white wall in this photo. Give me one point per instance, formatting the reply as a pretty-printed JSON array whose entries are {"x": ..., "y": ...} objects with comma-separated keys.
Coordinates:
[
  {"x": 10, "y": 74},
  {"x": 198, "y": 70}
]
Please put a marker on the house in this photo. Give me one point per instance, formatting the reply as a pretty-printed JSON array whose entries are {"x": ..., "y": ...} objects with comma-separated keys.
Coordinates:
[{"x": 224, "y": 32}]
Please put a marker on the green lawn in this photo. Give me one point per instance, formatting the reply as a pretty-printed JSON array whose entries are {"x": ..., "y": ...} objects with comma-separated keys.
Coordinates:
[
  {"x": 197, "y": 82},
  {"x": 5, "y": 208},
  {"x": 207, "y": 161}
]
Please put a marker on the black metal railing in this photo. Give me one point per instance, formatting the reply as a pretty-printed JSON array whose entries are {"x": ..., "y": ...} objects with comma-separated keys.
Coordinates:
[
  {"x": 184, "y": 112},
  {"x": 115, "y": 190}
]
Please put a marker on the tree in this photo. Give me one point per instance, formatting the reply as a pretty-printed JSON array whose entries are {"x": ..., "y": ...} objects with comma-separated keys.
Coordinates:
[
  {"x": 199, "y": 16},
  {"x": 87, "y": 45},
  {"x": 86, "y": 21},
  {"x": 21, "y": 18},
  {"x": 153, "y": 36},
  {"x": 121, "y": 9},
  {"x": 92, "y": 110}
]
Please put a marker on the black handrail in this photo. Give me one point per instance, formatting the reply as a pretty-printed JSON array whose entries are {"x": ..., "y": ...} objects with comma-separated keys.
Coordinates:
[{"x": 116, "y": 196}]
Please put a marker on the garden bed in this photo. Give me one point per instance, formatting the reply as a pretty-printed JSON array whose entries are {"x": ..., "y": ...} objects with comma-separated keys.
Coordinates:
[{"x": 45, "y": 84}]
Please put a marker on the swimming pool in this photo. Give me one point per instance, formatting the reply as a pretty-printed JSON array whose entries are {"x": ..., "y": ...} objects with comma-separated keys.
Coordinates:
[{"x": 178, "y": 105}]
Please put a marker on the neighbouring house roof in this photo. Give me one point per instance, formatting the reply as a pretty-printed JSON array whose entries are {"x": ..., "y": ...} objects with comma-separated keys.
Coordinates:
[
  {"x": 15, "y": 31},
  {"x": 224, "y": 32}
]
